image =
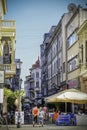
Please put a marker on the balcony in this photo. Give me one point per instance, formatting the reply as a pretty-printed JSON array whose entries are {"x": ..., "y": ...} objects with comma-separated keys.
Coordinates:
[
  {"x": 10, "y": 69},
  {"x": 7, "y": 27},
  {"x": 37, "y": 89}
]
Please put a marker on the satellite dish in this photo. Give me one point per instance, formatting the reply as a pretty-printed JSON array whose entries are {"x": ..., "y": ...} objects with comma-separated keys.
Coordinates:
[{"x": 71, "y": 7}]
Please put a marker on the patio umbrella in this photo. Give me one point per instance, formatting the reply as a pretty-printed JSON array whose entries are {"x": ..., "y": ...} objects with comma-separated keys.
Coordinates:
[{"x": 70, "y": 95}]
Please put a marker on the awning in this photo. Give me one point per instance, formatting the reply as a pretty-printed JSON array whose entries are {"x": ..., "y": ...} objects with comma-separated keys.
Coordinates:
[
  {"x": 70, "y": 95},
  {"x": 50, "y": 97}
]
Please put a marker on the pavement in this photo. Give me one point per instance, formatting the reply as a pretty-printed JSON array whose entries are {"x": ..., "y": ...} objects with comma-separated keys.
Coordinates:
[{"x": 45, "y": 127}]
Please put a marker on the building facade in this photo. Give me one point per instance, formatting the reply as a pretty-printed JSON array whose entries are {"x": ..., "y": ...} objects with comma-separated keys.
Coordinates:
[
  {"x": 7, "y": 51},
  {"x": 44, "y": 70},
  {"x": 82, "y": 36},
  {"x": 16, "y": 78},
  {"x": 7, "y": 42},
  {"x": 74, "y": 51},
  {"x": 32, "y": 84},
  {"x": 55, "y": 53},
  {"x": 64, "y": 54}
]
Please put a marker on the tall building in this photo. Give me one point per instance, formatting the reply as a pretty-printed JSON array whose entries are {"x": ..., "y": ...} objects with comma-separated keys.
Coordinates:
[
  {"x": 55, "y": 57},
  {"x": 65, "y": 53},
  {"x": 82, "y": 55},
  {"x": 75, "y": 56},
  {"x": 43, "y": 56},
  {"x": 7, "y": 42},
  {"x": 7, "y": 50},
  {"x": 32, "y": 84}
]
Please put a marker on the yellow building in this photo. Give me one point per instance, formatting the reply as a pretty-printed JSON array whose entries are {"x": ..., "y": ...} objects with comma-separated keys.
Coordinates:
[
  {"x": 82, "y": 35},
  {"x": 7, "y": 42}
]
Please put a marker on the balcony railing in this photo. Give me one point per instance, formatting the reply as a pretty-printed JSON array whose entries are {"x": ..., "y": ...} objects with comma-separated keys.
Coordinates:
[
  {"x": 10, "y": 69},
  {"x": 7, "y": 24},
  {"x": 37, "y": 89}
]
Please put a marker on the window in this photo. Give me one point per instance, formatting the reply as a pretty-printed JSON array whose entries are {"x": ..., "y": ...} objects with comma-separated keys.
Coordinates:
[
  {"x": 64, "y": 67},
  {"x": 72, "y": 64},
  {"x": 37, "y": 74},
  {"x": 86, "y": 51},
  {"x": 72, "y": 39},
  {"x": 58, "y": 62},
  {"x": 33, "y": 75},
  {"x": 81, "y": 47},
  {"x": 37, "y": 84}
]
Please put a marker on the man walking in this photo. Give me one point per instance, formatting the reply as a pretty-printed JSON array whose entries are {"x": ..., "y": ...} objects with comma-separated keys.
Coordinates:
[
  {"x": 35, "y": 113},
  {"x": 41, "y": 116}
]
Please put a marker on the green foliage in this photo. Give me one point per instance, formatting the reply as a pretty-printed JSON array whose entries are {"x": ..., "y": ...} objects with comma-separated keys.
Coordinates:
[
  {"x": 7, "y": 92},
  {"x": 12, "y": 96},
  {"x": 11, "y": 100}
]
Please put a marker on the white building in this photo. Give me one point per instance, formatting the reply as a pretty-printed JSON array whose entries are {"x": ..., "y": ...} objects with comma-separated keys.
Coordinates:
[{"x": 35, "y": 73}]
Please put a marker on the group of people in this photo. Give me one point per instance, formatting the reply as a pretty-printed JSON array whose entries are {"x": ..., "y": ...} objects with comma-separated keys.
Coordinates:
[{"x": 38, "y": 115}]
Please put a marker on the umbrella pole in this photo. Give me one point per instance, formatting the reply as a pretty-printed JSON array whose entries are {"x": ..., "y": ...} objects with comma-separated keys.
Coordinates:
[
  {"x": 73, "y": 107},
  {"x": 66, "y": 107}
]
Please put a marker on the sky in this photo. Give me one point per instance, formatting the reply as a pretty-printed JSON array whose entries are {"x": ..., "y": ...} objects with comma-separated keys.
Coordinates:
[{"x": 33, "y": 19}]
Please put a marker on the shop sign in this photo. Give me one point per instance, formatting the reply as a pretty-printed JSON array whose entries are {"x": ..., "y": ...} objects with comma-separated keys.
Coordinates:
[{"x": 73, "y": 83}]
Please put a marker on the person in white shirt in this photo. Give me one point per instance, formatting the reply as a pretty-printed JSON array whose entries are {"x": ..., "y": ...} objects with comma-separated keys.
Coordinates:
[{"x": 41, "y": 116}]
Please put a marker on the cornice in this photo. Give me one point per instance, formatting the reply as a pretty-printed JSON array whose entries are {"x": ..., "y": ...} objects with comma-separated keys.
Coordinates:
[{"x": 82, "y": 27}]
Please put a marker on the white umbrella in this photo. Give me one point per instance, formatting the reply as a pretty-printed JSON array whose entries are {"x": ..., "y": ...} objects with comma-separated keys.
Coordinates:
[{"x": 70, "y": 95}]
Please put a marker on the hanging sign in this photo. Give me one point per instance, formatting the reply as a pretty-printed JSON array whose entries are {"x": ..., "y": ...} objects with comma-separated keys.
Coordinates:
[
  {"x": 1, "y": 76},
  {"x": 1, "y": 95}
]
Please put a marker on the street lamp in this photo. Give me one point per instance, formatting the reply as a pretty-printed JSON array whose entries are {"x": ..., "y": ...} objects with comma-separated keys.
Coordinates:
[
  {"x": 19, "y": 105},
  {"x": 18, "y": 66},
  {"x": 19, "y": 96}
]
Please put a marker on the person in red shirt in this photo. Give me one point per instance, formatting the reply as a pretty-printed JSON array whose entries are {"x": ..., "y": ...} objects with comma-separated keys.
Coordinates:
[
  {"x": 35, "y": 113},
  {"x": 55, "y": 116}
]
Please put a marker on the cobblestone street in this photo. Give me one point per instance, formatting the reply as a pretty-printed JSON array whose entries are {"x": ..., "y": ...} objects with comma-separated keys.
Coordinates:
[{"x": 45, "y": 127}]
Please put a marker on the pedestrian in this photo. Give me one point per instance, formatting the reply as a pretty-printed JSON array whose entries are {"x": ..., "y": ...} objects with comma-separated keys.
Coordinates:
[
  {"x": 41, "y": 116},
  {"x": 55, "y": 116},
  {"x": 46, "y": 114},
  {"x": 35, "y": 113}
]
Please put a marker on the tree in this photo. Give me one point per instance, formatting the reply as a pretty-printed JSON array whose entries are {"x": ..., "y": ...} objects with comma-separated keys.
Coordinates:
[
  {"x": 18, "y": 94},
  {"x": 7, "y": 93},
  {"x": 10, "y": 97}
]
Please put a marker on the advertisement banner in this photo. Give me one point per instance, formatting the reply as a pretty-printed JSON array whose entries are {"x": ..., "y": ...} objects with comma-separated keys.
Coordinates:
[
  {"x": 21, "y": 117},
  {"x": 1, "y": 95}
]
